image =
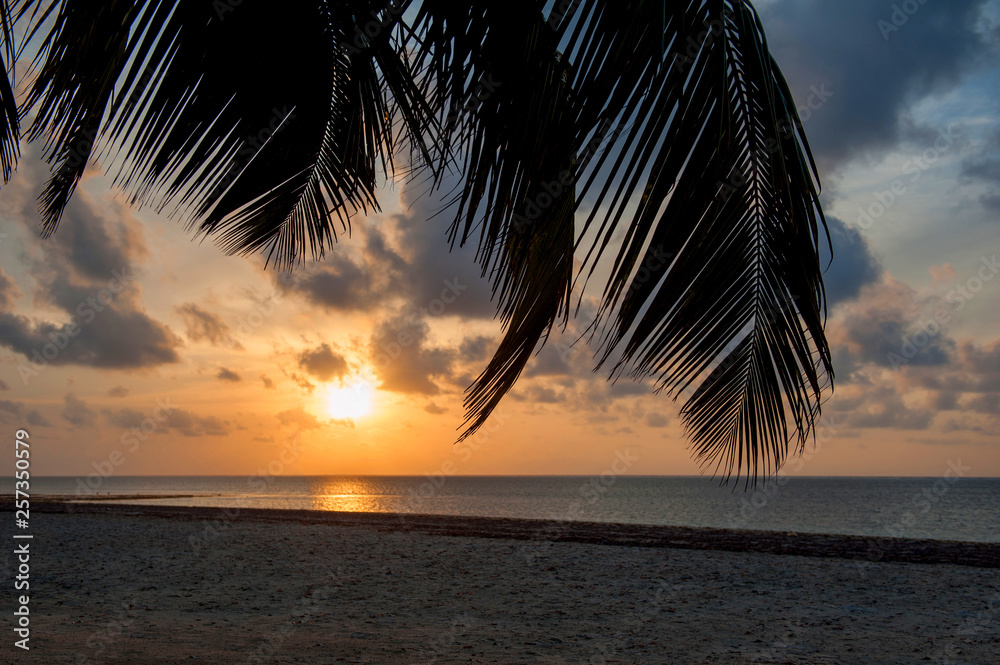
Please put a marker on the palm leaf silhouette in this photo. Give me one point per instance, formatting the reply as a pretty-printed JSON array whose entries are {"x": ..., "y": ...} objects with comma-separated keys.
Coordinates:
[{"x": 269, "y": 129}]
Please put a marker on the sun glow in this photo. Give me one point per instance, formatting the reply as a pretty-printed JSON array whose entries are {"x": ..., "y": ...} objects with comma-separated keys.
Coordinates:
[{"x": 351, "y": 401}]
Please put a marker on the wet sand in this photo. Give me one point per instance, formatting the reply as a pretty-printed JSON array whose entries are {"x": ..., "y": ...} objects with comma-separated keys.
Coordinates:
[{"x": 153, "y": 584}]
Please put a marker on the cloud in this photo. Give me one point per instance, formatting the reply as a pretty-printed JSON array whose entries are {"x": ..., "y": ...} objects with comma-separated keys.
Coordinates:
[
  {"x": 3, "y": 385},
  {"x": 353, "y": 279},
  {"x": 76, "y": 412},
  {"x": 657, "y": 420},
  {"x": 882, "y": 407},
  {"x": 227, "y": 375},
  {"x": 123, "y": 418},
  {"x": 423, "y": 278},
  {"x": 118, "y": 391},
  {"x": 37, "y": 419},
  {"x": 323, "y": 363},
  {"x": 268, "y": 383},
  {"x": 984, "y": 166},
  {"x": 403, "y": 361},
  {"x": 300, "y": 418},
  {"x": 435, "y": 409},
  {"x": 854, "y": 264},
  {"x": 988, "y": 403},
  {"x": 536, "y": 394},
  {"x": 441, "y": 280},
  {"x": 889, "y": 326},
  {"x": 302, "y": 382},
  {"x": 202, "y": 324},
  {"x": 943, "y": 273},
  {"x": 9, "y": 292},
  {"x": 190, "y": 424},
  {"x": 974, "y": 370},
  {"x": 179, "y": 420},
  {"x": 87, "y": 270},
  {"x": 858, "y": 81}
]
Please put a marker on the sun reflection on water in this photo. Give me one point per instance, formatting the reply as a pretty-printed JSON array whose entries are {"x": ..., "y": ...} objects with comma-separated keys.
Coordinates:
[{"x": 352, "y": 495}]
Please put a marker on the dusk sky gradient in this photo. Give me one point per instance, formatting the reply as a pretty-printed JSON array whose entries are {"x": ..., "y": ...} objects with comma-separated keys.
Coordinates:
[{"x": 902, "y": 116}]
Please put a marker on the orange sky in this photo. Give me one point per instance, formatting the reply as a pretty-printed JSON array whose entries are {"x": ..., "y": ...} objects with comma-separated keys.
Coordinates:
[{"x": 246, "y": 361}]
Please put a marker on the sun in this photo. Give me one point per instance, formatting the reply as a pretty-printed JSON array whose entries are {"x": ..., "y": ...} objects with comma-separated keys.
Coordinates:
[{"x": 350, "y": 401}]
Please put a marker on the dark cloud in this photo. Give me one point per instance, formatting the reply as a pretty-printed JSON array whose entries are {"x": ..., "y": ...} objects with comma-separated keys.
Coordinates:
[
  {"x": 943, "y": 400},
  {"x": 536, "y": 394},
  {"x": 353, "y": 278},
  {"x": 426, "y": 279},
  {"x": 178, "y": 420},
  {"x": 226, "y": 374},
  {"x": 984, "y": 166},
  {"x": 94, "y": 242},
  {"x": 657, "y": 420},
  {"x": 76, "y": 412},
  {"x": 268, "y": 383},
  {"x": 189, "y": 424},
  {"x": 201, "y": 324},
  {"x": 860, "y": 81},
  {"x": 3, "y": 385},
  {"x": 87, "y": 270},
  {"x": 441, "y": 279},
  {"x": 975, "y": 370},
  {"x": 122, "y": 340},
  {"x": 118, "y": 391},
  {"x": 882, "y": 407},
  {"x": 854, "y": 265},
  {"x": 403, "y": 361},
  {"x": 889, "y": 327},
  {"x": 323, "y": 363},
  {"x": 338, "y": 284},
  {"x": 435, "y": 409},
  {"x": 37, "y": 419},
  {"x": 123, "y": 418},
  {"x": 988, "y": 403}
]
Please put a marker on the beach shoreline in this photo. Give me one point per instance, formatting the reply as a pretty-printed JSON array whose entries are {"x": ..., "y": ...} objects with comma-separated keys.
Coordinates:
[
  {"x": 120, "y": 584},
  {"x": 862, "y": 548}
]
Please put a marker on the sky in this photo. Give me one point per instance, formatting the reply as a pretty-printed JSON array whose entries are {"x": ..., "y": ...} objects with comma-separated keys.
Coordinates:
[{"x": 158, "y": 354}]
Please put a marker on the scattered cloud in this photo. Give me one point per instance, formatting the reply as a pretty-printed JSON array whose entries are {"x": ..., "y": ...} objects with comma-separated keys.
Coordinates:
[
  {"x": 204, "y": 325},
  {"x": 227, "y": 375},
  {"x": 323, "y": 363},
  {"x": 76, "y": 412},
  {"x": 657, "y": 420}
]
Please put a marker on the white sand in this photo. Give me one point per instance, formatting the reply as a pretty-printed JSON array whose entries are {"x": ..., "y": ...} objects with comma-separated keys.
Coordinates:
[{"x": 119, "y": 589}]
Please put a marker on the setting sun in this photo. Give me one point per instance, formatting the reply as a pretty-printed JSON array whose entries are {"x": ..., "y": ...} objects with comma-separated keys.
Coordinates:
[{"x": 353, "y": 401}]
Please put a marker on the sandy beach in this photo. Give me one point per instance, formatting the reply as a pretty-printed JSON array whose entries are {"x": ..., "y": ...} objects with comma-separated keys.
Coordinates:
[{"x": 127, "y": 584}]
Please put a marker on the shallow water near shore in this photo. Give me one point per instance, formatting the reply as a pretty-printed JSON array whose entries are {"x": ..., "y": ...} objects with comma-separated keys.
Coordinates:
[{"x": 943, "y": 508}]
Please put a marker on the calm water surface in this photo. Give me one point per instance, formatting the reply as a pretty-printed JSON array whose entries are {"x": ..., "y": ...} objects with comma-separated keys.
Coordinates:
[{"x": 960, "y": 509}]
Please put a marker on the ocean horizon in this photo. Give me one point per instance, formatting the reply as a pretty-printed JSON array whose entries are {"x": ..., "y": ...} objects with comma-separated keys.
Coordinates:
[{"x": 936, "y": 508}]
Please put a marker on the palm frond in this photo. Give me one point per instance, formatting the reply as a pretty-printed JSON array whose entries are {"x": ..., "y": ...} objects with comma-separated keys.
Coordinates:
[
  {"x": 671, "y": 122},
  {"x": 10, "y": 130},
  {"x": 259, "y": 126},
  {"x": 715, "y": 290}
]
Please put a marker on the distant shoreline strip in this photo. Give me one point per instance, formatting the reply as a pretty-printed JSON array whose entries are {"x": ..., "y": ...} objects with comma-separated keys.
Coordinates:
[{"x": 862, "y": 548}]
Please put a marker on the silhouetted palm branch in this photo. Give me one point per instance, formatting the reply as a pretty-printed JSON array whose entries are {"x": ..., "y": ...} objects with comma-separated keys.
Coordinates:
[
  {"x": 264, "y": 127},
  {"x": 9, "y": 126}
]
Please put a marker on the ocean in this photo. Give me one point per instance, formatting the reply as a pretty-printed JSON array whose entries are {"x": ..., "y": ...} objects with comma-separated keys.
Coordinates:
[{"x": 962, "y": 509}]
